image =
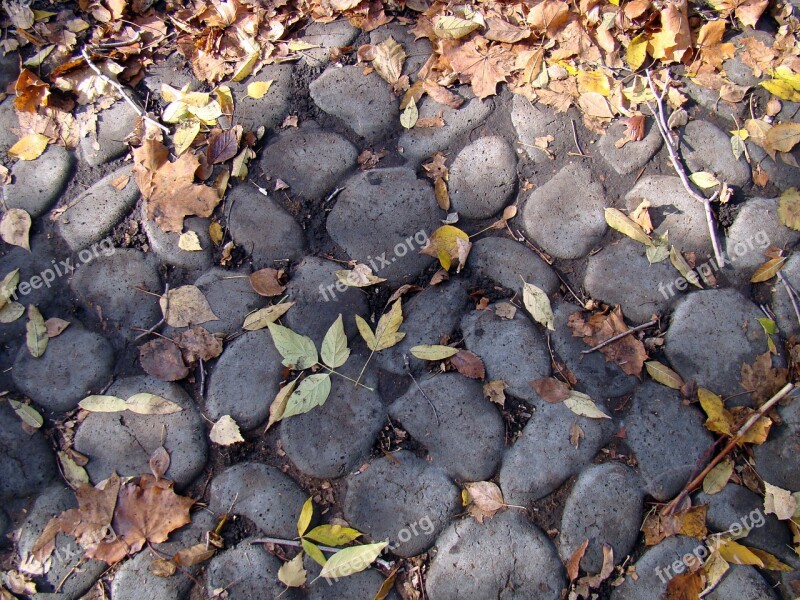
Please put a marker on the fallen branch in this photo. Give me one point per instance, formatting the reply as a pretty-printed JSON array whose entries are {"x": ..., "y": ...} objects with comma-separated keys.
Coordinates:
[
  {"x": 619, "y": 336},
  {"x": 118, "y": 86},
  {"x": 784, "y": 391},
  {"x": 663, "y": 129},
  {"x": 792, "y": 294}
]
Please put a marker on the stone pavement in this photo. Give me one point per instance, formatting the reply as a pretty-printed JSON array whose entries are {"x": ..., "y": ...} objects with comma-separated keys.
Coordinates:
[{"x": 396, "y": 457}]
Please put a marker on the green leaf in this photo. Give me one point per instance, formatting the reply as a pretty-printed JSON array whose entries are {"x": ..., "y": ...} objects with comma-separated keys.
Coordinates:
[
  {"x": 770, "y": 328},
  {"x": 659, "y": 251},
  {"x": 298, "y": 351},
  {"x": 435, "y": 352},
  {"x": 538, "y": 305},
  {"x": 351, "y": 560},
  {"x": 334, "y": 348},
  {"x": 333, "y": 535},
  {"x": 263, "y": 317},
  {"x": 314, "y": 552},
  {"x": 409, "y": 117},
  {"x": 37, "y": 332},
  {"x": 305, "y": 517},
  {"x": 29, "y": 415},
  {"x": 312, "y": 392}
]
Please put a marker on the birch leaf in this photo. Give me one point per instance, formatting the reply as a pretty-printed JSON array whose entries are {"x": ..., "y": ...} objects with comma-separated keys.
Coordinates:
[
  {"x": 264, "y": 316},
  {"x": 225, "y": 432}
]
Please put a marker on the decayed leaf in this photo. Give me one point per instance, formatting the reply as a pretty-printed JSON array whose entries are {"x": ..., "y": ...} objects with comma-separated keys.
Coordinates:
[
  {"x": 163, "y": 360},
  {"x": 616, "y": 219},
  {"x": 779, "y": 502},
  {"x": 225, "y": 432},
  {"x": 574, "y": 562},
  {"x": 433, "y": 352},
  {"x": 55, "y": 326},
  {"x": 193, "y": 555},
  {"x": 718, "y": 477},
  {"x": 334, "y": 350},
  {"x": 387, "y": 332},
  {"x": 692, "y": 522},
  {"x": 483, "y": 66},
  {"x": 359, "y": 276},
  {"x": 469, "y": 364},
  {"x": 675, "y": 37},
  {"x": 485, "y": 499},
  {"x": 685, "y": 586},
  {"x": 789, "y": 208},
  {"x": 36, "y": 338},
  {"x": 313, "y": 391},
  {"x": 292, "y": 574},
  {"x": 628, "y": 352},
  {"x": 266, "y": 282},
  {"x": 264, "y": 316},
  {"x": 29, "y": 147},
  {"x": 495, "y": 391},
  {"x": 186, "y": 306},
  {"x": 784, "y": 136},
  {"x": 298, "y": 351},
  {"x": 351, "y": 560},
  {"x": 15, "y": 228},
  {"x": 663, "y": 374},
  {"x": 551, "y": 389},
  {"x": 538, "y": 305},
  {"x": 768, "y": 270},
  {"x": 389, "y": 58},
  {"x": 75, "y": 474},
  {"x": 763, "y": 380},
  {"x": 198, "y": 343},
  {"x": 453, "y": 28}
]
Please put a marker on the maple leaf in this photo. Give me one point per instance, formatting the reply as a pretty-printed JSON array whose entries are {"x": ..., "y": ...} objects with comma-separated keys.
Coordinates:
[
  {"x": 675, "y": 37},
  {"x": 168, "y": 187},
  {"x": 747, "y": 11},
  {"x": 709, "y": 40},
  {"x": 480, "y": 65},
  {"x": 628, "y": 352}
]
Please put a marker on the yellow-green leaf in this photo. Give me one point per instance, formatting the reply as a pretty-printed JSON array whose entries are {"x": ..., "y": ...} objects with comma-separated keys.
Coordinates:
[
  {"x": 29, "y": 415},
  {"x": 36, "y": 332},
  {"x": 292, "y": 574},
  {"x": 333, "y": 535},
  {"x": 663, "y": 374},
  {"x": 677, "y": 260},
  {"x": 305, "y": 517},
  {"x": 351, "y": 560},
  {"x": 258, "y": 89},
  {"x": 704, "y": 179},
  {"x": 616, "y": 219},
  {"x": 409, "y": 117},
  {"x": 718, "y": 477},
  {"x": 314, "y": 552},
  {"x": 583, "y": 405},
  {"x": 265, "y": 316},
  {"x": 636, "y": 53},
  {"x": 781, "y": 89},
  {"x": 434, "y": 352},
  {"x": 334, "y": 350},
  {"x": 718, "y": 418},
  {"x": 278, "y": 406}
]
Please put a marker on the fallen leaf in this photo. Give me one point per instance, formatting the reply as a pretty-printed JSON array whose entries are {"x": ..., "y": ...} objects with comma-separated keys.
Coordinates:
[
  {"x": 389, "y": 59},
  {"x": 36, "y": 338},
  {"x": 663, "y": 374},
  {"x": 789, "y": 208},
  {"x": 292, "y": 574},
  {"x": 55, "y": 326},
  {"x": 574, "y": 562},
  {"x": 359, "y": 276},
  {"x": 718, "y": 477},
  {"x": 351, "y": 560},
  {"x": 278, "y": 406},
  {"x": 15, "y": 227},
  {"x": 313, "y": 391},
  {"x": 30, "y": 147},
  {"x": 434, "y": 352},
  {"x": 266, "y": 282},
  {"x": 193, "y": 555},
  {"x": 198, "y": 343},
  {"x": 189, "y": 242},
  {"x": 333, "y": 535},
  {"x": 334, "y": 351},
  {"x": 159, "y": 462},
  {"x": 551, "y": 389},
  {"x": 683, "y": 267},
  {"x": 441, "y": 194},
  {"x": 298, "y": 351},
  {"x": 27, "y": 414},
  {"x": 409, "y": 116},
  {"x": 387, "y": 332},
  {"x": 584, "y": 406},
  {"x": 768, "y": 270},
  {"x": 264, "y": 316},
  {"x": 449, "y": 27},
  {"x": 163, "y": 360},
  {"x": 685, "y": 586},
  {"x": 538, "y": 305},
  {"x": 186, "y": 306},
  {"x": 225, "y": 432},
  {"x": 616, "y": 219},
  {"x": 704, "y": 180},
  {"x": 469, "y": 364},
  {"x": 783, "y": 136},
  {"x": 495, "y": 391},
  {"x": 628, "y": 352},
  {"x": 485, "y": 499},
  {"x": 482, "y": 66}
]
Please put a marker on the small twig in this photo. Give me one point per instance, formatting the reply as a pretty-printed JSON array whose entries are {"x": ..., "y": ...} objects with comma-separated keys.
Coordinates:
[
  {"x": 140, "y": 111},
  {"x": 663, "y": 129},
  {"x": 164, "y": 318},
  {"x": 792, "y": 294},
  {"x": 122, "y": 43},
  {"x": 619, "y": 336},
  {"x": 421, "y": 391},
  {"x": 333, "y": 194},
  {"x": 575, "y": 139},
  {"x": 784, "y": 391}
]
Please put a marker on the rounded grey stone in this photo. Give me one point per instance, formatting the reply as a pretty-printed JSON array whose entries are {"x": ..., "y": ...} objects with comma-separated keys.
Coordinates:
[
  {"x": 430, "y": 317},
  {"x": 124, "y": 442},
  {"x": 673, "y": 210},
  {"x": 113, "y": 126},
  {"x": 507, "y": 263},
  {"x": 231, "y": 298},
  {"x": 532, "y": 121},
  {"x": 8, "y": 121},
  {"x": 420, "y": 143},
  {"x": 75, "y": 364},
  {"x": 309, "y": 160},
  {"x": 98, "y": 210},
  {"x": 605, "y": 507},
  {"x": 165, "y": 245},
  {"x": 268, "y": 111},
  {"x": 706, "y": 147},
  {"x": 5, "y": 525},
  {"x": 780, "y": 174},
  {"x": 263, "y": 494},
  {"x": 711, "y": 101},
  {"x": 402, "y": 499},
  {"x": 467, "y": 440},
  {"x": 633, "y": 155},
  {"x": 785, "y": 316},
  {"x": 711, "y": 334},
  {"x": 245, "y": 380},
  {"x": 565, "y": 216},
  {"x": 335, "y": 34},
  {"x": 654, "y": 569},
  {"x": 173, "y": 71},
  {"x": 377, "y": 216},
  {"x": 476, "y": 560},
  {"x": 72, "y": 576},
  {"x": 777, "y": 460},
  {"x": 736, "y": 506},
  {"x": 621, "y": 274},
  {"x": 318, "y": 301},
  {"x": 756, "y": 228},
  {"x": 742, "y": 581},
  {"x": 598, "y": 377},
  {"x": 543, "y": 457},
  {"x": 36, "y": 184},
  {"x": 364, "y": 103},
  {"x": 247, "y": 571},
  {"x": 513, "y": 350},
  {"x": 263, "y": 228},
  {"x": 668, "y": 438},
  {"x": 333, "y": 439},
  {"x": 482, "y": 178},
  {"x": 107, "y": 288},
  {"x": 28, "y": 463}
]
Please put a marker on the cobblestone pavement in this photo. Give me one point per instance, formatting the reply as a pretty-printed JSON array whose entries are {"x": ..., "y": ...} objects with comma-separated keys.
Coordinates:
[{"x": 391, "y": 461}]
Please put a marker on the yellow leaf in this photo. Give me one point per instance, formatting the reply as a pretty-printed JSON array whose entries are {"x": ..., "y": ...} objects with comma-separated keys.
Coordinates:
[
  {"x": 618, "y": 220},
  {"x": 768, "y": 270},
  {"x": 704, "y": 179},
  {"x": 718, "y": 477},
  {"x": 784, "y": 136},
  {"x": 636, "y": 53},
  {"x": 434, "y": 352},
  {"x": 257, "y": 89},
  {"x": 782, "y": 89},
  {"x": 452, "y": 28},
  {"x": 771, "y": 563},
  {"x": 448, "y": 244},
  {"x": 677, "y": 260},
  {"x": 663, "y": 374},
  {"x": 185, "y": 133},
  {"x": 29, "y": 147},
  {"x": 189, "y": 242},
  {"x": 387, "y": 332},
  {"x": 789, "y": 208},
  {"x": 737, "y": 554},
  {"x": 784, "y": 73},
  {"x": 409, "y": 117},
  {"x": 718, "y": 417},
  {"x": 593, "y": 81},
  {"x": 305, "y": 517}
]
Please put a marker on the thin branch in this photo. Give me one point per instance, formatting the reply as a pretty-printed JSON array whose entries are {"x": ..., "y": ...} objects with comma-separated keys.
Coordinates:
[
  {"x": 164, "y": 318},
  {"x": 421, "y": 391},
  {"x": 580, "y": 152},
  {"x": 663, "y": 129},
  {"x": 784, "y": 391},
  {"x": 792, "y": 294},
  {"x": 118, "y": 86},
  {"x": 619, "y": 336}
]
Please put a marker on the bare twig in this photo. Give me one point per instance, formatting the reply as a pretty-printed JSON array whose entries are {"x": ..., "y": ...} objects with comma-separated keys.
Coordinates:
[
  {"x": 139, "y": 110},
  {"x": 792, "y": 294},
  {"x": 580, "y": 151},
  {"x": 661, "y": 120},
  {"x": 619, "y": 336},
  {"x": 421, "y": 391},
  {"x": 784, "y": 391},
  {"x": 164, "y": 318}
]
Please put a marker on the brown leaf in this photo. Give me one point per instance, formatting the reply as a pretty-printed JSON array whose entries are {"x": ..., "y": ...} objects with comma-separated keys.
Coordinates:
[
  {"x": 223, "y": 145},
  {"x": 551, "y": 389},
  {"x": 436, "y": 169},
  {"x": 686, "y": 586},
  {"x": 483, "y": 67},
  {"x": 691, "y": 522},
  {"x": 628, "y": 352},
  {"x": 576, "y": 434},
  {"x": 55, "y": 326},
  {"x": 441, "y": 94},
  {"x": 266, "y": 282},
  {"x": 494, "y": 391},
  {"x": 369, "y": 159},
  {"x": 549, "y": 16},
  {"x": 198, "y": 343},
  {"x": 31, "y": 92},
  {"x": 500, "y": 30},
  {"x": 468, "y": 364},
  {"x": 762, "y": 379},
  {"x": 388, "y": 60},
  {"x": 159, "y": 462},
  {"x": 163, "y": 360},
  {"x": 485, "y": 499},
  {"x": 574, "y": 562},
  {"x": 193, "y": 555},
  {"x": 441, "y": 194}
]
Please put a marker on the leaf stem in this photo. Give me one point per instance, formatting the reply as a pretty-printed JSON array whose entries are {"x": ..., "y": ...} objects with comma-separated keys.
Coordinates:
[{"x": 343, "y": 376}]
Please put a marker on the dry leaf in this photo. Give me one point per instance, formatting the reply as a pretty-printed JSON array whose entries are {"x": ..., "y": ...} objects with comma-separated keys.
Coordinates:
[
  {"x": 15, "y": 227},
  {"x": 29, "y": 147},
  {"x": 628, "y": 352},
  {"x": 468, "y": 364},
  {"x": 225, "y": 432},
  {"x": 495, "y": 391},
  {"x": 266, "y": 282},
  {"x": 163, "y": 360},
  {"x": 485, "y": 499},
  {"x": 186, "y": 306}
]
